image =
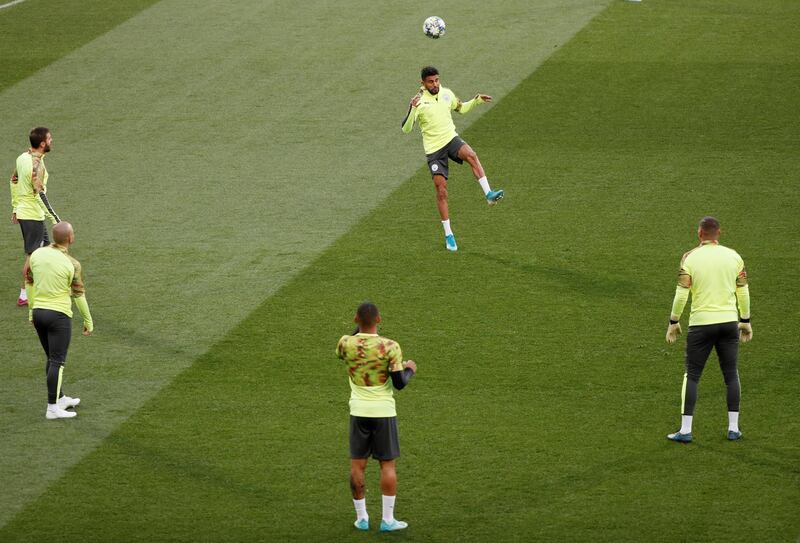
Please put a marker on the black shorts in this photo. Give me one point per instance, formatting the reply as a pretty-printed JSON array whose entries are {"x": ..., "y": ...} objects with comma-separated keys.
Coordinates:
[
  {"x": 34, "y": 235},
  {"x": 437, "y": 161},
  {"x": 376, "y": 437}
]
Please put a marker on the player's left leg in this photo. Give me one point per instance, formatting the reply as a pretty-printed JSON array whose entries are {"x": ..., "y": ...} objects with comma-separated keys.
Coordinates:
[
  {"x": 360, "y": 448},
  {"x": 727, "y": 347},
  {"x": 467, "y": 154},
  {"x": 699, "y": 342}
]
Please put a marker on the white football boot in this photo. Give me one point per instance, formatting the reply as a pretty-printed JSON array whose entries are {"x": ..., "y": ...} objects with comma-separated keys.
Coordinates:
[
  {"x": 55, "y": 412},
  {"x": 65, "y": 402}
]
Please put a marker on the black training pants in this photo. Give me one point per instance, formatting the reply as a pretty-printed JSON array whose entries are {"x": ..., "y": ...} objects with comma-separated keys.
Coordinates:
[
  {"x": 723, "y": 337},
  {"x": 55, "y": 331}
]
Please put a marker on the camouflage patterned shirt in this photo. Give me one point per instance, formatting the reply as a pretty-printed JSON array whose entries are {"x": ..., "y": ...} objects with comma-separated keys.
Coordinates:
[{"x": 370, "y": 358}]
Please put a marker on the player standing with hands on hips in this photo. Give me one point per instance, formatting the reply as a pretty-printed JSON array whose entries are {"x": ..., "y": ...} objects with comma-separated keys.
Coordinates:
[
  {"x": 432, "y": 107},
  {"x": 376, "y": 368},
  {"x": 716, "y": 277},
  {"x": 54, "y": 279}
]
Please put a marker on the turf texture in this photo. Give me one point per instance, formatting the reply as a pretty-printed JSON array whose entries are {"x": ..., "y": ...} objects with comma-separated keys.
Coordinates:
[{"x": 545, "y": 389}]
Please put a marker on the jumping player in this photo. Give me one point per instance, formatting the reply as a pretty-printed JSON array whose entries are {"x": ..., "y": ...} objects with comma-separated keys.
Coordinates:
[{"x": 432, "y": 107}]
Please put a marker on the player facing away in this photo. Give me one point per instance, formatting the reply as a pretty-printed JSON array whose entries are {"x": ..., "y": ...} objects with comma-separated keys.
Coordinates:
[
  {"x": 54, "y": 279},
  {"x": 716, "y": 278},
  {"x": 29, "y": 204},
  {"x": 376, "y": 368},
  {"x": 432, "y": 108}
]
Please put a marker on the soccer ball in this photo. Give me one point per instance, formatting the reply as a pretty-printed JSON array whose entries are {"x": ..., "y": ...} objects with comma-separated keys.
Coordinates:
[{"x": 433, "y": 27}]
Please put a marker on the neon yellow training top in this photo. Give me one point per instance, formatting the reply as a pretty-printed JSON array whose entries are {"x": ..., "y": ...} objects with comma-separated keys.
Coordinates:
[
  {"x": 31, "y": 180},
  {"x": 54, "y": 279},
  {"x": 435, "y": 118},
  {"x": 370, "y": 358},
  {"x": 716, "y": 277}
]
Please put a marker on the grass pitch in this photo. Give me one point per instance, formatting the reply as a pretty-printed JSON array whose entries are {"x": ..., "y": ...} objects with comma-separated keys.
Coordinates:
[{"x": 545, "y": 389}]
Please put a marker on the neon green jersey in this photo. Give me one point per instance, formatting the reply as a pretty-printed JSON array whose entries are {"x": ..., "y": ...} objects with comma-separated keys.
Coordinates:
[
  {"x": 31, "y": 180},
  {"x": 434, "y": 114},
  {"x": 57, "y": 278},
  {"x": 715, "y": 275},
  {"x": 370, "y": 358}
]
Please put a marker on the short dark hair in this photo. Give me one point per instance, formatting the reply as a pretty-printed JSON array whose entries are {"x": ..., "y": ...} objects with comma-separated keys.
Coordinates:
[
  {"x": 709, "y": 225},
  {"x": 38, "y": 135},
  {"x": 367, "y": 314},
  {"x": 428, "y": 71}
]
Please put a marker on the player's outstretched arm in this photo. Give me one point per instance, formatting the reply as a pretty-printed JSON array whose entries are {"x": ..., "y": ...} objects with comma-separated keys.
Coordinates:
[
  {"x": 401, "y": 378},
  {"x": 466, "y": 107}
]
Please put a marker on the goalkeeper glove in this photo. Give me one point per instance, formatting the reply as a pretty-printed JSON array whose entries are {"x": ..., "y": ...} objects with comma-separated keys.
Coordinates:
[
  {"x": 673, "y": 331},
  {"x": 745, "y": 331}
]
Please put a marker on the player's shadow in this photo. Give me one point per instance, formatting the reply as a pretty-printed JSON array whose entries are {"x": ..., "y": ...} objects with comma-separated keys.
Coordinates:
[{"x": 589, "y": 284}]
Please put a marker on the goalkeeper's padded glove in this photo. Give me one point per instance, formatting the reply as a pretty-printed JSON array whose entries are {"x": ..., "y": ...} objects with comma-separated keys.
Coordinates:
[
  {"x": 745, "y": 331},
  {"x": 673, "y": 332}
]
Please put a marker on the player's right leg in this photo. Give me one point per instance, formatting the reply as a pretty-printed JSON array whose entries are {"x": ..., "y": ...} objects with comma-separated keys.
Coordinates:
[
  {"x": 727, "y": 347},
  {"x": 699, "y": 342},
  {"x": 440, "y": 183},
  {"x": 387, "y": 450}
]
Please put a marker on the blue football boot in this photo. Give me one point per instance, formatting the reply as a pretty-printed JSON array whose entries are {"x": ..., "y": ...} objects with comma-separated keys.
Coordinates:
[{"x": 494, "y": 196}]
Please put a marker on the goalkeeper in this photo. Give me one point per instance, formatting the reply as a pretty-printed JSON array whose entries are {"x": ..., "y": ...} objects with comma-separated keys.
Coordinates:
[{"x": 716, "y": 278}]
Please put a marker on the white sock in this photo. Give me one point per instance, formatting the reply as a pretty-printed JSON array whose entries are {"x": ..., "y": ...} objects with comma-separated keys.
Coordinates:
[
  {"x": 733, "y": 421},
  {"x": 23, "y": 295},
  {"x": 361, "y": 509},
  {"x": 686, "y": 424},
  {"x": 388, "y": 508},
  {"x": 484, "y": 185},
  {"x": 447, "y": 230}
]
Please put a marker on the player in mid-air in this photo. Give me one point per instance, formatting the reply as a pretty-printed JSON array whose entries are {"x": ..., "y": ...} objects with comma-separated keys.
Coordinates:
[
  {"x": 432, "y": 108},
  {"x": 29, "y": 204},
  {"x": 376, "y": 368},
  {"x": 720, "y": 318}
]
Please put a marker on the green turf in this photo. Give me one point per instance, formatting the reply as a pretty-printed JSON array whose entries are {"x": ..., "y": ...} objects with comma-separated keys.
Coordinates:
[
  {"x": 41, "y": 32},
  {"x": 207, "y": 152},
  {"x": 545, "y": 388}
]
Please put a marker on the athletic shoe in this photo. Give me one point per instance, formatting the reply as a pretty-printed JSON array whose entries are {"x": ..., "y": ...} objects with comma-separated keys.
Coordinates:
[
  {"x": 55, "y": 412},
  {"x": 494, "y": 196},
  {"x": 733, "y": 436},
  {"x": 682, "y": 438},
  {"x": 450, "y": 243},
  {"x": 22, "y": 302},
  {"x": 393, "y": 526},
  {"x": 65, "y": 402},
  {"x": 362, "y": 524}
]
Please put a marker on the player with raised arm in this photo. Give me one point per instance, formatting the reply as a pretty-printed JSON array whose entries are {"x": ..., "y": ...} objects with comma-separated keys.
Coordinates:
[
  {"x": 376, "y": 368},
  {"x": 432, "y": 108},
  {"x": 29, "y": 203}
]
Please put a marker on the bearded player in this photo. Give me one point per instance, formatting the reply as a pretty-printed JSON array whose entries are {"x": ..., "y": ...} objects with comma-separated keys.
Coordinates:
[{"x": 432, "y": 108}]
